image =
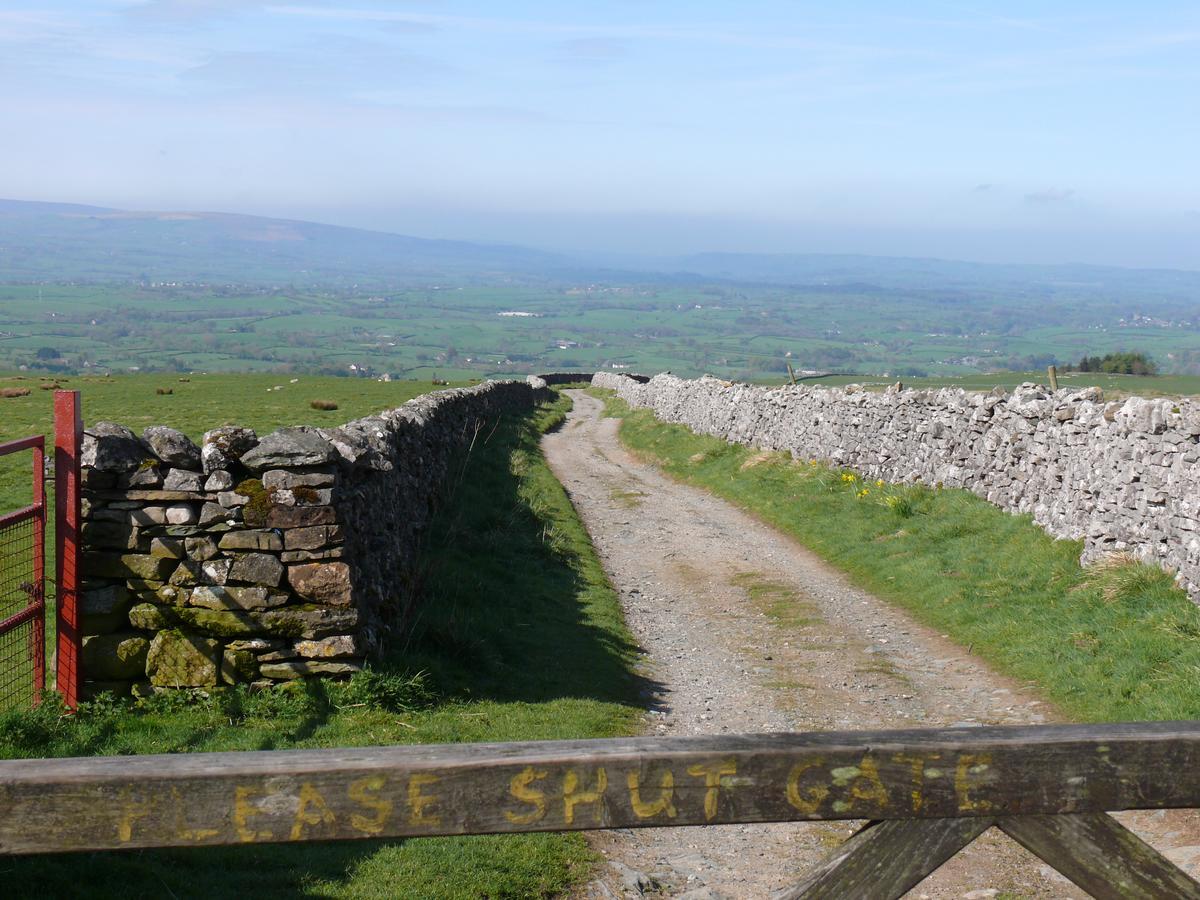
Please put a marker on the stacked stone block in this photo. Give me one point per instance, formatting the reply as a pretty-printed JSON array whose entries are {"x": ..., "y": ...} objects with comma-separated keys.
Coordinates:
[
  {"x": 1120, "y": 476},
  {"x": 261, "y": 560}
]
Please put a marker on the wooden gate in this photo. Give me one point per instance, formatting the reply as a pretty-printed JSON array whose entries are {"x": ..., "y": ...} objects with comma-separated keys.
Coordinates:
[
  {"x": 23, "y": 586},
  {"x": 925, "y": 794}
]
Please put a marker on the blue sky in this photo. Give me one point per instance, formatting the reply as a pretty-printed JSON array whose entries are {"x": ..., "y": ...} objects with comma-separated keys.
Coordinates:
[{"x": 1017, "y": 131}]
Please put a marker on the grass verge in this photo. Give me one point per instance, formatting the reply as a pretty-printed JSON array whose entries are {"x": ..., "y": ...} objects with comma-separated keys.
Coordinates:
[
  {"x": 523, "y": 640},
  {"x": 1113, "y": 642}
]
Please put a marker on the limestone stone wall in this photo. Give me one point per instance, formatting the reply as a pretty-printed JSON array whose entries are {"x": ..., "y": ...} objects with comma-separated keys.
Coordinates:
[
  {"x": 1121, "y": 475},
  {"x": 262, "y": 559}
]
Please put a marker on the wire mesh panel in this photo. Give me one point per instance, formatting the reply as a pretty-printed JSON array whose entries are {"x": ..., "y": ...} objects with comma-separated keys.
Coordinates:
[{"x": 22, "y": 603}]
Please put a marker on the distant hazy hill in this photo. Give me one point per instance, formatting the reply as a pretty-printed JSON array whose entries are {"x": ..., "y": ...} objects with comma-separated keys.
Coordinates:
[
  {"x": 65, "y": 242},
  {"x": 923, "y": 273},
  {"x": 58, "y": 241}
]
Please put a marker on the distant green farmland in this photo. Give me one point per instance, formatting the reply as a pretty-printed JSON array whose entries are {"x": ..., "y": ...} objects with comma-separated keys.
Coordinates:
[{"x": 462, "y": 329}]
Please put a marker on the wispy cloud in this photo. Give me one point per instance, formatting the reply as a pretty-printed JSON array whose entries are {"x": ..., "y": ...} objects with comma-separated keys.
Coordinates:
[
  {"x": 329, "y": 65},
  {"x": 1050, "y": 196}
]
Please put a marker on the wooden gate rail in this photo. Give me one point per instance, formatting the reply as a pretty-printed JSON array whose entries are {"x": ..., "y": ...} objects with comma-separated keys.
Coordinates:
[{"x": 925, "y": 793}]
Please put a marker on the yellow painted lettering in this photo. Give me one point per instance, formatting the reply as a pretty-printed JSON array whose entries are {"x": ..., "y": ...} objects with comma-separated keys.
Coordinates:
[
  {"x": 243, "y": 812},
  {"x": 917, "y": 767},
  {"x": 868, "y": 786},
  {"x": 970, "y": 766},
  {"x": 364, "y": 792},
  {"x": 132, "y": 809},
  {"x": 712, "y": 773},
  {"x": 310, "y": 811},
  {"x": 520, "y": 789},
  {"x": 808, "y": 801},
  {"x": 663, "y": 804},
  {"x": 418, "y": 802},
  {"x": 573, "y": 797}
]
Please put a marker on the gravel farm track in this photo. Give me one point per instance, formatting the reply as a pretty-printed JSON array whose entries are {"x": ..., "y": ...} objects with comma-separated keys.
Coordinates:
[{"x": 746, "y": 631}]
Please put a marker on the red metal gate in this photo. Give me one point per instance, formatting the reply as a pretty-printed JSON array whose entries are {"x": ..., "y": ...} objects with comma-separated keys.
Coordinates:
[{"x": 22, "y": 588}]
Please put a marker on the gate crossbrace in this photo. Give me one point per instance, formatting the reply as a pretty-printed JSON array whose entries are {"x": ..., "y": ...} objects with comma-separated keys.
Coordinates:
[{"x": 885, "y": 860}]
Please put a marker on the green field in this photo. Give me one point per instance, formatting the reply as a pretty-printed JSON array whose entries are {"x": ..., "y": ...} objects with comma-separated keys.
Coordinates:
[
  {"x": 202, "y": 402},
  {"x": 475, "y": 670},
  {"x": 458, "y": 329}
]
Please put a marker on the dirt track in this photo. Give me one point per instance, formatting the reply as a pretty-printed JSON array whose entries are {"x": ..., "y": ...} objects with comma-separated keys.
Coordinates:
[{"x": 749, "y": 632}]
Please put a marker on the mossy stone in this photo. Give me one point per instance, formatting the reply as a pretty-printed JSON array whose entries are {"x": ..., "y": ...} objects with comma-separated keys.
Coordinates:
[
  {"x": 179, "y": 659},
  {"x": 308, "y": 621},
  {"x": 148, "y": 617},
  {"x": 220, "y": 622},
  {"x": 128, "y": 565},
  {"x": 238, "y": 665},
  {"x": 112, "y": 657}
]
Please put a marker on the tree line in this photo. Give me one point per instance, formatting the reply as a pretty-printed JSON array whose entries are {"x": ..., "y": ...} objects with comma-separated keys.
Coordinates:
[{"x": 1121, "y": 363}]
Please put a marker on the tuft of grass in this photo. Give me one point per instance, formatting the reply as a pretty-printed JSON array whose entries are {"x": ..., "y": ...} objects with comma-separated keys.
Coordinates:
[
  {"x": 778, "y": 601},
  {"x": 1123, "y": 578},
  {"x": 1118, "y": 641},
  {"x": 326, "y": 405},
  {"x": 627, "y": 499},
  {"x": 392, "y": 691},
  {"x": 521, "y": 638}
]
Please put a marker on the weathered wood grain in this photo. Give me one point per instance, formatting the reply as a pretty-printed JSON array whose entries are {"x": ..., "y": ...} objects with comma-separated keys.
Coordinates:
[
  {"x": 884, "y": 860},
  {"x": 1102, "y": 856},
  {"x": 229, "y": 798}
]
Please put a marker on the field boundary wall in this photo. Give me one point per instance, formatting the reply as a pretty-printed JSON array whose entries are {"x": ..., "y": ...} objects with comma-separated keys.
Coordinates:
[{"x": 265, "y": 559}]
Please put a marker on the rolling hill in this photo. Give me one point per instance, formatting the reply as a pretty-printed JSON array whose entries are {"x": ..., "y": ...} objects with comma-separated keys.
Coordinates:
[{"x": 66, "y": 242}]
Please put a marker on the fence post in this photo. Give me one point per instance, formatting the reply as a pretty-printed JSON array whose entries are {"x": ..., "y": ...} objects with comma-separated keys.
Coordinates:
[
  {"x": 68, "y": 437},
  {"x": 38, "y": 626}
]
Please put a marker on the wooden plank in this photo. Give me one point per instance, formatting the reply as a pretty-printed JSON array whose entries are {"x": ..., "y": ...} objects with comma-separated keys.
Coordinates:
[
  {"x": 224, "y": 798},
  {"x": 884, "y": 860},
  {"x": 1102, "y": 856}
]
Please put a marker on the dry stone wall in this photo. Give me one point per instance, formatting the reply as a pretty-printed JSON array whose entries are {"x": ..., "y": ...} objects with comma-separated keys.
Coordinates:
[
  {"x": 1119, "y": 475},
  {"x": 263, "y": 559}
]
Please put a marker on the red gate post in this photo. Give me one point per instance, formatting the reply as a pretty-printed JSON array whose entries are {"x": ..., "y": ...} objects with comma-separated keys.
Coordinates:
[
  {"x": 68, "y": 438},
  {"x": 38, "y": 626}
]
